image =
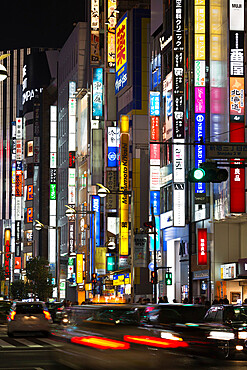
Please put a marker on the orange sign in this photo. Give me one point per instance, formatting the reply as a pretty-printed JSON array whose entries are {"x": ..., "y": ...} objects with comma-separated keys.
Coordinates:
[
  {"x": 237, "y": 96},
  {"x": 17, "y": 263}
]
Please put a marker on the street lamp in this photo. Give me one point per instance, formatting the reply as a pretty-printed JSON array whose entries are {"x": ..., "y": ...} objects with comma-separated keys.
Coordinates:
[
  {"x": 39, "y": 226},
  {"x": 103, "y": 192},
  {"x": 70, "y": 212}
]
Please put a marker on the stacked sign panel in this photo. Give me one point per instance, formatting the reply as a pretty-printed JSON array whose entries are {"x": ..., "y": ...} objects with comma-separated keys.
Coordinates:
[
  {"x": 178, "y": 114},
  {"x": 95, "y": 45},
  {"x": 18, "y": 186},
  {"x": 112, "y": 20},
  {"x": 124, "y": 186},
  {"x": 199, "y": 90},
  {"x": 237, "y": 109}
]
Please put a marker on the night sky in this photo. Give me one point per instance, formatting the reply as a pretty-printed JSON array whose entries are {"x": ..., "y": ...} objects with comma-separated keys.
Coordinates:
[{"x": 38, "y": 23}]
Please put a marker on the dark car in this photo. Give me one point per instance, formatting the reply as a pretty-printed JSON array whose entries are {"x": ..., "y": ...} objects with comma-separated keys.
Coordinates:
[
  {"x": 55, "y": 309},
  {"x": 4, "y": 311}
]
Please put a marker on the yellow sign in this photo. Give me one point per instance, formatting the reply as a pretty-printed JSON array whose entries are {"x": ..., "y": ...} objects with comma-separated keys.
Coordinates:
[
  {"x": 199, "y": 19},
  {"x": 88, "y": 286},
  {"x": 124, "y": 198},
  {"x": 199, "y": 46},
  {"x": 127, "y": 279},
  {"x": 100, "y": 258},
  {"x": 121, "y": 44},
  {"x": 199, "y": 2},
  {"x": 79, "y": 268}
]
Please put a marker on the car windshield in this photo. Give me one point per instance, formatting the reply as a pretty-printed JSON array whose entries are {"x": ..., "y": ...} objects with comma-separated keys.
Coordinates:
[
  {"x": 29, "y": 308},
  {"x": 239, "y": 314},
  {"x": 116, "y": 316}
]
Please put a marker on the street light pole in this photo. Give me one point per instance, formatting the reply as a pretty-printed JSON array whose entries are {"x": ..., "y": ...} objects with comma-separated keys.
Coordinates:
[{"x": 58, "y": 261}]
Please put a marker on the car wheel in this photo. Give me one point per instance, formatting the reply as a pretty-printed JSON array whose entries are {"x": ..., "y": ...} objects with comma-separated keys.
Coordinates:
[{"x": 227, "y": 353}]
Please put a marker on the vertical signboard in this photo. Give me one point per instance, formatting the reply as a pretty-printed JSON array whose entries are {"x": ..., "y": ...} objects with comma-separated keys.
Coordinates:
[
  {"x": 112, "y": 20},
  {"x": 18, "y": 187},
  {"x": 202, "y": 246},
  {"x": 79, "y": 268},
  {"x": 113, "y": 139},
  {"x": 237, "y": 98},
  {"x": 121, "y": 54},
  {"x": 95, "y": 46},
  {"x": 199, "y": 90},
  {"x": 96, "y": 209},
  {"x": 97, "y": 111},
  {"x": 178, "y": 114},
  {"x": 124, "y": 185},
  {"x": 7, "y": 255}
]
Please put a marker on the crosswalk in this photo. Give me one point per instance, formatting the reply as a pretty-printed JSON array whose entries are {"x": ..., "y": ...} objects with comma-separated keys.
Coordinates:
[{"x": 26, "y": 342}]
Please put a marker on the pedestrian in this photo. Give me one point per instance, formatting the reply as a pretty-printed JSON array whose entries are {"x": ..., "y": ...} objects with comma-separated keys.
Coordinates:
[
  {"x": 245, "y": 301},
  {"x": 215, "y": 301},
  {"x": 174, "y": 301},
  {"x": 225, "y": 300},
  {"x": 165, "y": 299},
  {"x": 160, "y": 300},
  {"x": 185, "y": 301}
]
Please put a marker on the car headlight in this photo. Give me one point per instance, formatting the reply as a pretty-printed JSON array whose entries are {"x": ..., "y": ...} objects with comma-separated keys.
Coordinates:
[
  {"x": 242, "y": 335},
  {"x": 220, "y": 335}
]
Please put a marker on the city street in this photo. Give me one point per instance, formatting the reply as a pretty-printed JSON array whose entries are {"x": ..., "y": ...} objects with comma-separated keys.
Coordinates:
[{"x": 57, "y": 353}]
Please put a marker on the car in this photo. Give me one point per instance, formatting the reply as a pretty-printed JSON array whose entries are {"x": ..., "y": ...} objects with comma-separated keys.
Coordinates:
[
  {"x": 55, "y": 309},
  {"x": 5, "y": 306},
  {"x": 28, "y": 317}
]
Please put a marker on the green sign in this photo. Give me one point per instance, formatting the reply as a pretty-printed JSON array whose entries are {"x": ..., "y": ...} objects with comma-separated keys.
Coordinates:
[
  {"x": 110, "y": 263},
  {"x": 70, "y": 261},
  {"x": 53, "y": 191},
  {"x": 168, "y": 278}
]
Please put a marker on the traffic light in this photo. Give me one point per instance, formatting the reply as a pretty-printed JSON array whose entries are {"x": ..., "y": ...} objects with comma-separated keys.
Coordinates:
[
  {"x": 153, "y": 277},
  {"x": 208, "y": 172},
  {"x": 168, "y": 278},
  {"x": 94, "y": 278},
  {"x": 149, "y": 224}
]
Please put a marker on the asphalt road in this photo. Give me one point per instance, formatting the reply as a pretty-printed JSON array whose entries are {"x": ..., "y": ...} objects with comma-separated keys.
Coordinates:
[{"x": 38, "y": 353}]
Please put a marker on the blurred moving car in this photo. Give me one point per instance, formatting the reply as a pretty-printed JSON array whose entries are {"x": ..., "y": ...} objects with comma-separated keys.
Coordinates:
[
  {"x": 28, "y": 317},
  {"x": 4, "y": 311},
  {"x": 56, "y": 310}
]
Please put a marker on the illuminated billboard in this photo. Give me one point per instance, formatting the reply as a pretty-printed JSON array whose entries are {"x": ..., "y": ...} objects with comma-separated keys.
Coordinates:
[
  {"x": 79, "y": 268},
  {"x": 202, "y": 246},
  {"x": 97, "y": 98},
  {"x": 96, "y": 208},
  {"x": 121, "y": 54},
  {"x": 111, "y": 51},
  {"x": 124, "y": 185}
]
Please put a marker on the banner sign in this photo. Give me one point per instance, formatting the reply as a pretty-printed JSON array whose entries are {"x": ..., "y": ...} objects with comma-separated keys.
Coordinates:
[
  {"x": 97, "y": 93},
  {"x": 202, "y": 246},
  {"x": 121, "y": 54},
  {"x": 124, "y": 185},
  {"x": 140, "y": 250}
]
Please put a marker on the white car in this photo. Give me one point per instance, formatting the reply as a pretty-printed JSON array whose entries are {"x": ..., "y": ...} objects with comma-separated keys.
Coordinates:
[{"x": 28, "y": 317}]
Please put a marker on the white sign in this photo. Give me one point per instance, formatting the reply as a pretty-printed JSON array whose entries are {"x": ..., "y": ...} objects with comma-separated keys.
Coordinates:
[
  {"x": 71, "y": 195},
  {"x": 228, "y": 271},
  {"x": 200, "y": 73},
  {"x": 179, "y": 204},
  {"x": 154, "y": 178},
  {"x": 166, "y": 219},
  {"x": 113, "y": 137},
  {"x": 236, "y": 9},
  {"x": 71, "y": 177},
  {"x": 178, "y": 163}
]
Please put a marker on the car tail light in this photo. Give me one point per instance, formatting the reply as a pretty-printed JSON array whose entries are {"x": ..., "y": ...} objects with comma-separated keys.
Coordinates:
[
  {"x": 47, "y": 315},
  {"x": 60, "y": 309},
  {"x": 12, "y": 315}
]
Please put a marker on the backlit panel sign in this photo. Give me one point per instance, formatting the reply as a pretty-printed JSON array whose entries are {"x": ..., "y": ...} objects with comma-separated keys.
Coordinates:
[
  {"x": 200, "y": 155},
  {"x": 228, "y": 271},
  {"x": 200, "y": 73},
  {"x": 72, "y": 124},
  {"x": 96, "y": 208},
  {"x": 95, "y": 15},
  {"x": 236, "y": 10},
  {"x": 155, "y": 125},
  {"x": 178, "y": 161},
  {"x": 121, "y": 54},
  {"x": 199, "y": 99},
  {"x": 111, "y": 51},
  {"x": 7, "y": 255},
  {"x": 79, "y": 268},
  {"x": 29, "y": 192},
  {"x": 202, "y": 246},
  {"x": 124, "y": 185},
  {"x": 29, "y": 215},
  {"x": 237, "y": 97},
  {"x": 113, "y": 141},
  {"x": 97, "y": 93},
  {"x": 179, "y": 204},
  {"x": 157, "y": 226},
  {"x": 154, "y": 103},
  {"x": 71, "y": 237},
  {"x": 71, "y": 172},
  {"x": 200, "y": 47},
  {"x": 53, "y": 191},
  {"x": 154, "y": 178},
  {"x": 155, "y": 202},
  {"x": 72, "y": 159},
  {"x": 155, "y": 154}
]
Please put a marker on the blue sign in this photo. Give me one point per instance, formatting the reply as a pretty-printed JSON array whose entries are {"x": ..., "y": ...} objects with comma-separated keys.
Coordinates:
[
  {"x": 121, "y": 54},
  {"x": 154, "y": 103},
  {"x": 157, "y": 224},
  {"x": 96, "y": 208},
  {"x": 151, "y": 266},
  {"x": 155, "y": 202},
  {"x": 200, "y": 155},
  {"x": 97, "y": 93},
  {"x": 112, "y": 156}
]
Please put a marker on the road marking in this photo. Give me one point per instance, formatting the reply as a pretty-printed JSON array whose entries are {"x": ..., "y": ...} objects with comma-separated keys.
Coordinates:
[
  {"x": 49, "y": 341},
  {"x": 5, "y": 344},
  {"x": 27, "y": 343}
]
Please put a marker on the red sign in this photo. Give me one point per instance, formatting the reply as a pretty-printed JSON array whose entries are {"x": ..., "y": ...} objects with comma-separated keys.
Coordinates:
[
  {"x": 71, "y": 159},
  {"x": 18, "y": 184},
  {"x": 202, "y": 246},
  {"x": 7, "y": 255},
  {"x": 237, "y": 175},
  {"x": 17, "y": 263},
  {"x": 155, "y": 124},
  {"x": 155, "y": 154}
]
